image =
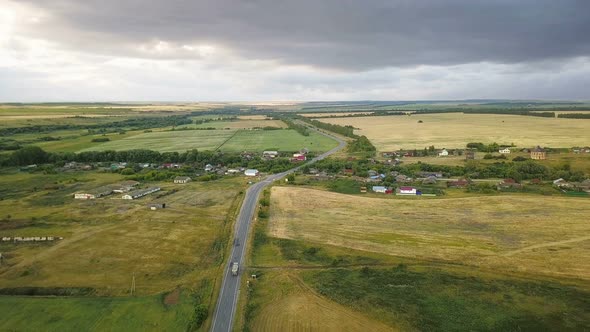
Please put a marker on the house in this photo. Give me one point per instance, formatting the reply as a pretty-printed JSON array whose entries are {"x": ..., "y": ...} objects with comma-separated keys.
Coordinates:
[
  {"x": 407, "y": 191},
  {"x": 363, "y": 189},
  {"x": 233, "y": 171},
  {"x": 536, "y": 181},
  {"x": 469, "y": 154},
  {"x": 251, "y": 172},
  {"x": 461, "y": 183},
  {"x": 140, "y": 193},
  {"x": 156, "y": 206},
  {"x": 538, "y": 153},
  {"x": 430, "y": 174},
  {"x": 299, "y": 157},
  {"x": 561, "y": 183},
  {"x": 429, "y": 180},
  {"x": 270, "y": 154},
  {"x": 388, "y": 154},
  {"x": 509, "y": 184},
  {"x": 379, "y": 189},
  {"x": 504, "y": 151},
  {"x": 209, "y": 168},
  {"x": 348, "y": 171},
  {"x": 443, "y": 153},
  {"x": 304, "y": 151},
  {"x": 402, "y": 178},
  {"x": 182, "y": 179}
]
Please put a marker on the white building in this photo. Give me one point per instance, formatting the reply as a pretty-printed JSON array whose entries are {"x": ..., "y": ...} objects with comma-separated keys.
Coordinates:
[
  {"x": 407, "y": 191},
  {"x": 140, "y": 193},
  {"x": 504, "y": 151},
  {"x": 443, "y": 153},
  {"x": 251, "y": 172},
  {"x": 182, "y": 179},
  {"x": 270, "y": 154}
]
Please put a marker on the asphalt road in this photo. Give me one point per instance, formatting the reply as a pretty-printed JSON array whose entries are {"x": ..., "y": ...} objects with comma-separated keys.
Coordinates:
[{"x": 230, "y": 288}]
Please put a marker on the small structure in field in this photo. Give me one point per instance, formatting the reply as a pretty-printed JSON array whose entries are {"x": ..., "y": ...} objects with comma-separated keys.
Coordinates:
[
  {"x": 469, "y": 154},
  {"x": 124, "y": 186},
  {"x": 504, "y": 151},
  {"x": 182, "y": 179},
  {"x": 156, "y": 206},
  {"x": 443, "y": 153},
  {"x": 140, "y": 193},
  {"x": 538, "y": 153},
  {"x": 94, "y": 193},
  {"x": 363, "y": 189},
  {"x": 251, "y": 172}
]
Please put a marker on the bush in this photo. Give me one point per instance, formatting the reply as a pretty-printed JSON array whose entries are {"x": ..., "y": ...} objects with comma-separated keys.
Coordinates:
[
  {"x": 100, "y": 139},
  {"x": 519, "y": 158}
]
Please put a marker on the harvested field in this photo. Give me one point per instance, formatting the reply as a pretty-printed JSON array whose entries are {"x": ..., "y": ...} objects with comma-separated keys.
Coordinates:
[
  {"x": 513, "y": 233},
  {"x": 326, "y": 115},
  {"x": 455, "y": 130}
]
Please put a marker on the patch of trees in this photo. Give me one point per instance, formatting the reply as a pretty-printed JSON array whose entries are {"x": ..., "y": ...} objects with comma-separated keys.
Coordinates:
[
  {"x": 303, "y": 130},
  {"x": 347, "y": 131},
  {"x": 100, "y": 139},
  {"x": 361, "y": 144},
  {"x": 574, "y": 115},
  {"x": 9, "y": 145},
  {"x": 511, "y": 112}
]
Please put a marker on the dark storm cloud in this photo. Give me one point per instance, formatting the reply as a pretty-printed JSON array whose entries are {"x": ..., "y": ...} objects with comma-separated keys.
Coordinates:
[{"x": 354, "y": 35}]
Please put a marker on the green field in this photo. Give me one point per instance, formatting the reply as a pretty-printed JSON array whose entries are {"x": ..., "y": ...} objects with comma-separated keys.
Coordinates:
[
  {"x": 225, "y": 140},
  {"x": 145, "y": 313}
]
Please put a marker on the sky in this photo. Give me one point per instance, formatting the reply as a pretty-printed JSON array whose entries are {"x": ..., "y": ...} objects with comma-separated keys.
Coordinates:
[{"x": 304, "y": 50}]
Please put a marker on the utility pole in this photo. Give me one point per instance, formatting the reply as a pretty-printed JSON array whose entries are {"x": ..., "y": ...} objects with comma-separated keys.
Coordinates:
[{"x": 133, "y": 284}]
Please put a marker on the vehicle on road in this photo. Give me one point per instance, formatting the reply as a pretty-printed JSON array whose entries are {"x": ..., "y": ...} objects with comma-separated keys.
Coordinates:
[{"x": 234, "y": 268}]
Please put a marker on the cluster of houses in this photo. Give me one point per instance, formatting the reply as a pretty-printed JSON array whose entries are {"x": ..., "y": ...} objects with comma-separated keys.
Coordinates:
[
  {"x": 31, "y": 239},
  {"x": 402, "y": 191},
  {"x": 126, "y": 187},
  {"x": 583, "y": 186}
]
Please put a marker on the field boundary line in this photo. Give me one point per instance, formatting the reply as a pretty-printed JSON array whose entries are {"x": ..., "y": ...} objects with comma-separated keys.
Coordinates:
[{"x": 227, "y": 140}]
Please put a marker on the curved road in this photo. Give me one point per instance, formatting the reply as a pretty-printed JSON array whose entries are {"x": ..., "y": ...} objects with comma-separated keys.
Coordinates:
[{"x": 230, "y": 288}]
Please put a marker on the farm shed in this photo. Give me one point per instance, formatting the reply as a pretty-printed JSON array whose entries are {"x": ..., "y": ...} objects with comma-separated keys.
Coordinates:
[
  {"x": 182, "y": 179},
  {"x": 504, "y": 151},
  {"x": 251, "y": 172},
  {"x": 140, "y": 193},
  {"x": 94, "y": 193},
  {"x": 156, "y": 206}
]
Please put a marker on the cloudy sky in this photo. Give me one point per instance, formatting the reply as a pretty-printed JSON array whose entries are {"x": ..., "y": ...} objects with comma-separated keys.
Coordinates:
[{"x": 252, "y": 50}]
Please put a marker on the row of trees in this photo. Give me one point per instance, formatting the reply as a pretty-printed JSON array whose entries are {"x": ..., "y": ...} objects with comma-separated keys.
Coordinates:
[
  {"x": 574, "y": 115},
  {"x": 133, "y": 123}
]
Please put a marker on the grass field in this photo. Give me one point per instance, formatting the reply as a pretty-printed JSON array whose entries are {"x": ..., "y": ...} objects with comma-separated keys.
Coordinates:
[
  {"x": 514, "y": 233},
  {"x": 285, "y": 303},
  {"x": 107, "y": 240},
  {"x": 225, "y": 140},
  {"x": 455, "y": 130},
  {"x": 105, "y": 243},
  {"x": 145, "y": 313}
]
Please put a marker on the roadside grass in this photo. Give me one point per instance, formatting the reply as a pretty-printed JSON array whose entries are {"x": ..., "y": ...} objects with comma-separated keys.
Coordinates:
[
  {"x": 454, "y": 130},
  {"x": 490, "y": 231}
]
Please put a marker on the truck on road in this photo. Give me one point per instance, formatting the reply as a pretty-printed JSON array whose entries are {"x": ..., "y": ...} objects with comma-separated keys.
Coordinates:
[{"x": 234, "y": 268}]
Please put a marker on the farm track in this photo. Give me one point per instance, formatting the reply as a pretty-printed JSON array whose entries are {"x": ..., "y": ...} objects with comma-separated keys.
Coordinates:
[{"x": 546, "y": 244}]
